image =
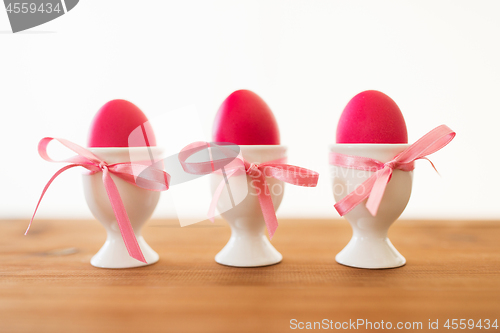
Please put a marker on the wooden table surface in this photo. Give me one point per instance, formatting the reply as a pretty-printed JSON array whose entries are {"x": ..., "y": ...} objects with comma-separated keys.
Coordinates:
[{"x": 48, "y": 285}]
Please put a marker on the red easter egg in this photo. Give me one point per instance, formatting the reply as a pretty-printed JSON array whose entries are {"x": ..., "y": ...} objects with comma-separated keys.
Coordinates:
[
  {"x": 371, "y": 117},
  {"x": 245, "y": 119},
  {"x": 115, "y": 121}
]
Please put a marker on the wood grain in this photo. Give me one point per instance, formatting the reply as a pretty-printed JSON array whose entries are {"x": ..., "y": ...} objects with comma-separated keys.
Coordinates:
[{"x": 48, "y": 285}]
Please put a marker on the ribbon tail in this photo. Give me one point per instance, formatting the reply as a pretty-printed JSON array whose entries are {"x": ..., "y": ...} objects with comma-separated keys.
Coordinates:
[
  {"x": 354, "y": 198},
  {"x": 45, "y": 190},
  {"x": 266, "y": 204},
  {"x": 433, "y": 166},
  {"x": 378, "y": 189},
  {"x": 122, "y": 218}
]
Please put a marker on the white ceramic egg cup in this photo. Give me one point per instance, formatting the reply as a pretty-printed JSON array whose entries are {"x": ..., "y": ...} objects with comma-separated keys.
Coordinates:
[
  {"x": 139, "y": 204},
  {"x": 369, "y": 246},
  {"x": 249, "y": 245}
]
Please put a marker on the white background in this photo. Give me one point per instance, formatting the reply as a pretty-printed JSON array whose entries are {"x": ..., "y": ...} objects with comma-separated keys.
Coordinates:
[{"x": 439, "y": 60}]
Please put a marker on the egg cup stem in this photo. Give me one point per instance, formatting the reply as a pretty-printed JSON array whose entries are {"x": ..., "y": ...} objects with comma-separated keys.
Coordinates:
[
  {"x": 114, "y": 254},
  {"x": 372, "y": 250},
  {"x": 248, "y": 245}
]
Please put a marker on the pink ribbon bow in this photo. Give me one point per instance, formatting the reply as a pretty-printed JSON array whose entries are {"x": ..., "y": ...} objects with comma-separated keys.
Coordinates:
[
  {"x": 150, "y": 178},
  {"x": 230, "y": 166},
  {"x": 373, "y": 188}
]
